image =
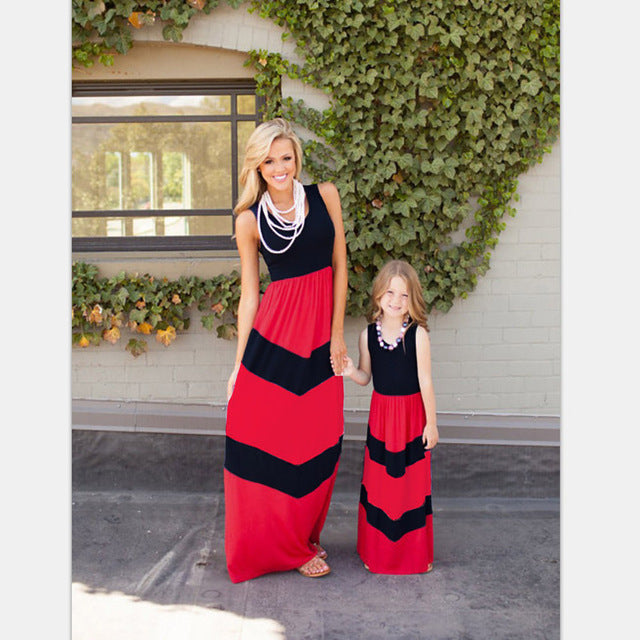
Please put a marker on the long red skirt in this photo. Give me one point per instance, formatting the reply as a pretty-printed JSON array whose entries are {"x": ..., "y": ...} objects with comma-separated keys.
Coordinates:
[
  {"x": 284, "y": 431},
  {"x": 395, "y": 522}
]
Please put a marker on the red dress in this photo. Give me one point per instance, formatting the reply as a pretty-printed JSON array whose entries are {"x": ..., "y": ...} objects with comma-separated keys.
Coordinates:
[
  {"x": 285, "y": 417},
  {"x": 395, "y": 529}
]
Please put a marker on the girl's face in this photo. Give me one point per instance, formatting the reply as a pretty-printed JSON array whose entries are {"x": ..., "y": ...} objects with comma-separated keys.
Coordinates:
[
  {"x": 279, "y": 167},
  {"x": 395, "y": 300}
]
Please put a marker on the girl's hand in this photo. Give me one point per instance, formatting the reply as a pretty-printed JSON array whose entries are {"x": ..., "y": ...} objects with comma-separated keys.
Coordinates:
[
  {"x": 232, "y": 382},
  {"x": 338, "y": 353},
  {"x": 430, "y": 436},
  {"x": 349, "y": 367}
]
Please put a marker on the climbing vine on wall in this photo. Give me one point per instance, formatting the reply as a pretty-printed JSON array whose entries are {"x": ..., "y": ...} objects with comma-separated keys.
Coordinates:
[
  {"x": 145, "y": 306},
  {"x": 436, "y": 109},
  {"x": 101, "y": 27}
]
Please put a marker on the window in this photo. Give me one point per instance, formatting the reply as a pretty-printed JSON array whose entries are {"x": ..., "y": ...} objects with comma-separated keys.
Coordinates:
[{"x": 155, "y": 165}]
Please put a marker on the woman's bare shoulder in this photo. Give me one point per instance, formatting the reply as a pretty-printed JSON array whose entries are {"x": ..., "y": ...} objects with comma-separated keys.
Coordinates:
[
  {"x": 328, "y": 190},
  {"x": 246, "y": 222}
]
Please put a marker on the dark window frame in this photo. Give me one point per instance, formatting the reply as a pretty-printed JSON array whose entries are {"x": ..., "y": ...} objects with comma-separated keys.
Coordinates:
[{"x": 167, "y": 87}]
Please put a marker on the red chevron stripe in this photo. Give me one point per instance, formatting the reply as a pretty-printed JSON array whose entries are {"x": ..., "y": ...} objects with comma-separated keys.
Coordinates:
[
  {"x": 296, "y": 313},
  {"x": 306, "y": 425},
  {"x": 397, "y": 495}
]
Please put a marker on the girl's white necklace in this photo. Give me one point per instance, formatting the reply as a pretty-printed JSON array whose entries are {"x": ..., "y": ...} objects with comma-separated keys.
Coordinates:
[
  {"x": 382, "y": 343},
  {"x": 286, "y": 229}
]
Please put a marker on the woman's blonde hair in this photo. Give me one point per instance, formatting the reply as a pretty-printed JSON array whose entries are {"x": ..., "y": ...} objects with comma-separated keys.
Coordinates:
[
  {"x": 417, "y": 305},
  {"x": 256, "y": 152}
]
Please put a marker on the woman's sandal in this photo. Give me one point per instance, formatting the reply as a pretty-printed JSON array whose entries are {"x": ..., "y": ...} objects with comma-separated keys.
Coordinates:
[
  {"x": 307, "y": 571},
  {"x": 321, "y": 553}
]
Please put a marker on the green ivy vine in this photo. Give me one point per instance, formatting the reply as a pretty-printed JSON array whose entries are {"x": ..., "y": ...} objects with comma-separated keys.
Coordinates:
[
  {"x": 101, "y": 27},
  {"x": 436, "y": 109},
  {"x": 103, "y": 308}
]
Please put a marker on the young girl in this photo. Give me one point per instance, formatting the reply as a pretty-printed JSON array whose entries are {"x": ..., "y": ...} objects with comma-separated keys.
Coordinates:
[{"x": 395, "y": 533}]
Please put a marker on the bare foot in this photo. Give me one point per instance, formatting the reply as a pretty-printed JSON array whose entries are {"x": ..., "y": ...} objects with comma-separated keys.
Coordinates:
[{"x": 321, "y": 553}]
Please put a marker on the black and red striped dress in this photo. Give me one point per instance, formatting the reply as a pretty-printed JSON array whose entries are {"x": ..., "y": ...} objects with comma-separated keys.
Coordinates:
[
  {"x": 395, "y": 529},
  {"x": 285, "y": 417}
]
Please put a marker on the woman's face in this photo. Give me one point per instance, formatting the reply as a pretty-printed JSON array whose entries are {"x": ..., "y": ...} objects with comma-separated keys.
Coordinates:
[
  {"x": 279, "y": 167},
  {"x": 395, "y": 300}
]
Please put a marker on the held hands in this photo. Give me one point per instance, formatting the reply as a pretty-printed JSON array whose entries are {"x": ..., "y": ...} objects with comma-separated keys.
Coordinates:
[
  {"x": 349, "y": 367},
  {"x": 338, "y": 354},
  {"x": 430, "y": 436}
]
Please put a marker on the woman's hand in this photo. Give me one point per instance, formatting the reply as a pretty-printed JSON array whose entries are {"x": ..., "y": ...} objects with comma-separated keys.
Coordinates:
[
  {"x": 430, "y": 436},
  {"x": 232, "y": 381},
  {"x": 338, "y": 351}
]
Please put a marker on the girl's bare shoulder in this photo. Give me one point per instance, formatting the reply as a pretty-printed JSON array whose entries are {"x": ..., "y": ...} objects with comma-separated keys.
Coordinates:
[{"x": 422, "y": 335}]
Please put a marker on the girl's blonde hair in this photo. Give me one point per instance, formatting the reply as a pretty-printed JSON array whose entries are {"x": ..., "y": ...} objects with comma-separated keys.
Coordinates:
[
  {"x": 417, "y": 305},
  {"x": 256, "y": 152}
]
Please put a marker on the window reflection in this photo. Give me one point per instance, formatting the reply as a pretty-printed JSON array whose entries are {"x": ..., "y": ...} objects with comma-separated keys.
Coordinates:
[
  {"x": 137, "y": 156},
  {"x": 138, "y": 166},
  {"x": 119, "y": 106}
]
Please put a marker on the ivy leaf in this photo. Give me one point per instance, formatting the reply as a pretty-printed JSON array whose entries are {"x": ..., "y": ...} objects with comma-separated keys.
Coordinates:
[
  {"x": 207, "y": 321},
  {"x": 415, "y": 31},
  {"x": 227, "y": 331},
  {"x": 485, "y": 82},
  {"x": 532, "y": 87},
  {"x": 166, "y": 336},
  {"x": 172, "y": 32},
  {"x": 94, "y": 8},
  {"x": 120, "y": 39},
  {"x": 136, "y": 347}
]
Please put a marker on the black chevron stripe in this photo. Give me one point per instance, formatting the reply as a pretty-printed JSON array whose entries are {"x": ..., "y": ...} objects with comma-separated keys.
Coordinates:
[
  {"x": 255, "y": 465},
  {"x": 284, "y": 368},
  {"x": 395, "y": 529},
  {"x": 396, "y": 462}
]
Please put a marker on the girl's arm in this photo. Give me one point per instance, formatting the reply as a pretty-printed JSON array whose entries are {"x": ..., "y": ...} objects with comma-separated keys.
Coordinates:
[
  {"x": 362, "y": 374},
  {"x": 331, "y": 199},
  {"x": 430, "y": 434},
  {"x": 247, "y": 242}
]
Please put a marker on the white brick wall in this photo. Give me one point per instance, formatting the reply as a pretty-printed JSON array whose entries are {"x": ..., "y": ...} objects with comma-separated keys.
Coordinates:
[{"x": 498, "y": 351}]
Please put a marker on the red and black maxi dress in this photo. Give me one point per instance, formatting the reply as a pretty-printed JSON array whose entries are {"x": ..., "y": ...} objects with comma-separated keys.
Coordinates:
[
  {"x": 395, "y": 529},
  {"x": 285, "y": 418}
]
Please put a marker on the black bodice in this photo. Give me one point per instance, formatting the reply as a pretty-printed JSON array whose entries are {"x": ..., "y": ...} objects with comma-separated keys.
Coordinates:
[
  {"x": 311, "y": 251},
  {"x": 394, "y": 372}
]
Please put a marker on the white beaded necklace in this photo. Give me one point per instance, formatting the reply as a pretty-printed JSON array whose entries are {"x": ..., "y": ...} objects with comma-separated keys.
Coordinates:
[{"x": 283, "y": 228}]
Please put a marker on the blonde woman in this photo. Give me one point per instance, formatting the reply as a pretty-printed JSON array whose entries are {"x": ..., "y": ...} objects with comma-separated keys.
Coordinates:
[{"x": 285, "y": 394}]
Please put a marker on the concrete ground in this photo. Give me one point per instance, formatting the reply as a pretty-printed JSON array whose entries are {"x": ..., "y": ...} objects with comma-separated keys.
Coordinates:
[{"x": 148, "y": 564}]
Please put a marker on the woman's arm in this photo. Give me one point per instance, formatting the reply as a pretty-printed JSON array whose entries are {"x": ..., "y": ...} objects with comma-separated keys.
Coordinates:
[
  {"x": 247, "y": 242},
  {"x": 331, "y": 199},
  {"x": 430, "y": 434},
  {"x": 362, "y": 374}
]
